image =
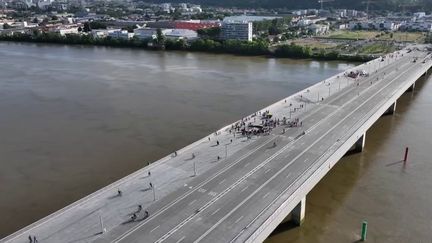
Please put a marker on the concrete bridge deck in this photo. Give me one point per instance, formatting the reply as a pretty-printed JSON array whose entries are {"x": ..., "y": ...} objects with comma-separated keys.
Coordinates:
[{"x": 255, "y": 183}]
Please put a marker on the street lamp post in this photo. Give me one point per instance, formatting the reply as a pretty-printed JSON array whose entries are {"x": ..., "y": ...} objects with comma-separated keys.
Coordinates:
[
  {"x": 103, "y": 230},
  {"x": 194, "y": 168},
  {"x": 154, "y": 193}
]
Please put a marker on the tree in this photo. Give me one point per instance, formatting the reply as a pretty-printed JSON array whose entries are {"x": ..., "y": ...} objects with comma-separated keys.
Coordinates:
[
  {"x": 54, "y": 18},
  {"x": 160, "y": 37},
  {"x": 7, "y": 26},
  {"x": 87, "y": 27},
  {"x": 211, "y": 33}
]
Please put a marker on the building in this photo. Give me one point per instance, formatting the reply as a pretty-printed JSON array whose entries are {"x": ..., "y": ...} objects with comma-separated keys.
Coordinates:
[
  {"x": 65, "y": 31},
  {"x": 374, "y": 25},
  {"x": 237, "y": 31},
  {"x": 44, "y": 4},
  {"x": 120, "y": 34},
  {"x": 423, "y": 26},
  {"x": 149, "y": 33},
  {"x": 248, "y": 18},
  {"x": 178, "y": 34},
  {"x": 195, "y": 24},
  {"x": 318, "y": 29},
  {"x": 419, "y": 15}
]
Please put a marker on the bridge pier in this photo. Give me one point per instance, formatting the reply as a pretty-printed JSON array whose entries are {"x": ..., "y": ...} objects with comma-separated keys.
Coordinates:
[
  {"x": 391, "y": 110},
  {"x": 359, "y": 145},
  {"x": 299, "y": 211},
  {"x": 411, "y": 88}
]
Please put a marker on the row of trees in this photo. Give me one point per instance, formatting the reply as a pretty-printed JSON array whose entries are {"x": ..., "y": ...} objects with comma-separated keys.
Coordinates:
[
  {"x": 253, "y": 48},
  {"x": 296, "y": 51},
  {"x": 272, "y": 27}
]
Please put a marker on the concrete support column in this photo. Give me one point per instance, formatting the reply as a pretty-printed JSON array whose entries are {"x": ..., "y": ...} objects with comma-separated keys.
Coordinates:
[
  {"x": 391, "y": 110},
  {"x": 359, "y": 145},
  {"x": 298, "y": 212},
  {"x": 411, "y": 89}
]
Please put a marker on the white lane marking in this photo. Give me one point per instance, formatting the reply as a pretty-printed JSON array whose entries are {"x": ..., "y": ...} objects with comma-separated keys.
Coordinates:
[
  {"x": 238, "y": 220},
  {"x": 222, "y": 181},
  {"x": 181, "y": 239},
  {"x": 266, "y": 195},
  {"x": 154, "y": 228},
  {"x": 223, "y": 193},
  {"x": 217, "y": 210},
  {"x": 244, "y": 189},
  {"x": 202, "y": 190},
  {"x": 192, "y": 202}
]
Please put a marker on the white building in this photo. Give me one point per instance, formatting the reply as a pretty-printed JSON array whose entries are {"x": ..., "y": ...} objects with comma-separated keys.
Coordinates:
[
  {"x": 318, "y": 29},
  {"x": 237, "y": 31},
  {"x": 182, "y": 34},
  {"x": 65, "y": 31},
  {"x": 44, "y": 4},
  {"x": 419, "y": 15},
  {"x": 424, "y": 26},
  {"x": 120, "y": 34},
  {"x": 166, "y": 7},
  {"x": 149, "y": 33},
  {"x": 374, "y": 25}
]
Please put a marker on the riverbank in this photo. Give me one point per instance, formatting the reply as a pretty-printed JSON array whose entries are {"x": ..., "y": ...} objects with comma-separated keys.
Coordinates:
[{"x": 253, "y": 48}]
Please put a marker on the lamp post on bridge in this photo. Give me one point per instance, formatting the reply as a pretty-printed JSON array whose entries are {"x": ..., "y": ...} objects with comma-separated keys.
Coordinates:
[
  {"x": 103, "y": 229},
  {"x": 153, "y": 189}
]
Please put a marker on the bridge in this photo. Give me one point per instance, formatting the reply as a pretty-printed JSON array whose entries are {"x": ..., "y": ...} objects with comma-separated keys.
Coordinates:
[{"x": 239, "y": 183}]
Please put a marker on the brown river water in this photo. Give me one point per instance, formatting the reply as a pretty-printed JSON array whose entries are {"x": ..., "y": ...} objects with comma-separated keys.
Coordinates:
[{"x": 74, "y": 119}]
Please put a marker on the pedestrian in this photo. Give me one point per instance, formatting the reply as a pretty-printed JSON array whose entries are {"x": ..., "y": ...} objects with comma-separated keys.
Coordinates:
[
  {"x": 146, "y": 213},
  {"x": 231, "y": 140},
  {"x": 209, "y": 138},
  {"x": 139, "y": 208},
  {"x": 119, "y": 193},
  {"x": 34, "y": 239},
  {"x": 218, "y": 158},
  {"x": 217, "y": 142},
  {"x": 149, "y": 173},
  {"x": 175, "y": 153},
  {"x": 30, "y": 239},
  {"x": 193, "y": 156},
  {"x": 151, "y": 185}
]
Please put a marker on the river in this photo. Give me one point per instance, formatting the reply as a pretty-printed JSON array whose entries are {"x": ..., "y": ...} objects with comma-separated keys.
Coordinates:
[{"x": 73, "y": 119}]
